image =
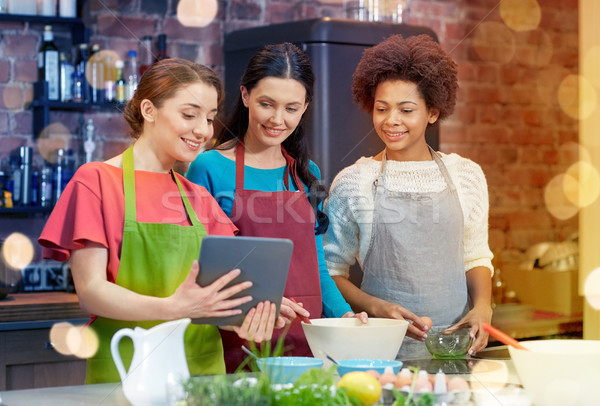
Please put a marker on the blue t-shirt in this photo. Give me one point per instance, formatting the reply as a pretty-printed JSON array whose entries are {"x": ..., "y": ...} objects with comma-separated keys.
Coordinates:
[{"x": 217, "y": 174}]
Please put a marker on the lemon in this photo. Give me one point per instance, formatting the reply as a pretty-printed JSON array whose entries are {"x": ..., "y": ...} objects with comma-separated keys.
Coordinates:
[{"x": 365, "y": 387}]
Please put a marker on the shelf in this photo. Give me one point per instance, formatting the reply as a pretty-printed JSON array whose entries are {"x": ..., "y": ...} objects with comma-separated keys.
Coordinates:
[
  {"x": 41, "y": 107},
  {"x": 24, "y": 211},
  {"x": 78, "y": 30}
]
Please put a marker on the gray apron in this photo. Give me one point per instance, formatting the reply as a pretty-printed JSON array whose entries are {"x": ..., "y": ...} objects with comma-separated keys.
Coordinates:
[{"x": 415, "y": 256}]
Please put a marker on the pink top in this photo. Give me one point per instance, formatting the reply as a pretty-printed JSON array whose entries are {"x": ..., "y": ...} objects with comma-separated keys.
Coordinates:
[{"x": 92, "y": 208}]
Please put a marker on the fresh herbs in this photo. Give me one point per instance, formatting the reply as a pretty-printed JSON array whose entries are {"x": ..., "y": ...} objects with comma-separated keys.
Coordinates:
[{"x": 315, "y": 387}]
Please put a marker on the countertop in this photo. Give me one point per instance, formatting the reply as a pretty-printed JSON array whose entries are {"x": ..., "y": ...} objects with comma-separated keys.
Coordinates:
[
  {"x": 486, "y": 373},
  {"x": 36, "y": 310}
]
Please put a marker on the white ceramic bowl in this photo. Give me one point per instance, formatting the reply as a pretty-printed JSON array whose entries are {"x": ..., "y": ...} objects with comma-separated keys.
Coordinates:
[
  {"x": 348, "y": 338},
  {"x": 560, "y": 372}
]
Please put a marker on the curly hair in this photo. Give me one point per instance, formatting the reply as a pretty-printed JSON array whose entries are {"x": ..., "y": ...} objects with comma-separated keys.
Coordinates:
[{"x": 418, "y": 59}]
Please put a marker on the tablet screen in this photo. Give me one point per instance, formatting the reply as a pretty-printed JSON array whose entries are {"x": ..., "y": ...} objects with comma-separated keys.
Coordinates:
[{"x": 264, "y": 261}]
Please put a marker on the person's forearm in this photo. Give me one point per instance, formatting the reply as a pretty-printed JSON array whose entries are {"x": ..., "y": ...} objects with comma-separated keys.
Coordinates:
[
  {"x": 112, "y": 301},
  {"x": 479, "y": 284},
  {"x": 358, "y": 300}
]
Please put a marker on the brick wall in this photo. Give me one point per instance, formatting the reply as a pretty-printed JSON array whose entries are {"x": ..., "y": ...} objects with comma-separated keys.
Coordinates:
[{"x": 508, "y": 118}]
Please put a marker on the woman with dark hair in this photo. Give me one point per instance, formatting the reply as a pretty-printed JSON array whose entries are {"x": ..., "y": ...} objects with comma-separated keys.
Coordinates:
[
  {"x": 132, "y": 228},
  {"x": 416, "y": 219},
  {"x": 260, "y": 174}
]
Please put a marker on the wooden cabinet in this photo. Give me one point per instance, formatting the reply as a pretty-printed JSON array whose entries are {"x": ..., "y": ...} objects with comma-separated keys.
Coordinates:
[
  {"x": 27, "y": 357},
  {"x": 29, "y": 361}
]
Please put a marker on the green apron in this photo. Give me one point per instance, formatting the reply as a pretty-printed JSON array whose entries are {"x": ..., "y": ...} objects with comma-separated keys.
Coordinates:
[{"x": 155, "y": 259}]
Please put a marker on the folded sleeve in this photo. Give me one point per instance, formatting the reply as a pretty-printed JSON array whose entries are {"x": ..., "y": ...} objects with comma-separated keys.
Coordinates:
[{"x": 76, "y": 218}]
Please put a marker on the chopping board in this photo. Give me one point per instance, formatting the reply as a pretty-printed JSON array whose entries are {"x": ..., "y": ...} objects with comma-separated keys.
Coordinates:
[{"x": 40, "y": 306}]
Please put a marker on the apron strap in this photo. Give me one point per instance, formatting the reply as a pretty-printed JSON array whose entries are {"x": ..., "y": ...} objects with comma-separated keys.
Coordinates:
[
  {"x": 443, "y": 169},
  {"x": 291, "y": 167},
  {"x": 129, "y": 190},
  {"x": 186, "y": 202},
  {"x": 129, "y": 185}
]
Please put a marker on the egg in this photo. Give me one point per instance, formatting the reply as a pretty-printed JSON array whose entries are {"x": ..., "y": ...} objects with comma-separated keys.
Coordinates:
[
  {"x": 457, "y": 384},
  {"x": 373, "y": 372},
  {"x": 402, "y": 381},
  {"x": 386, "y": 378},
  {"x": 427, "y": 321},
  {"x": 423, "y": 385}
]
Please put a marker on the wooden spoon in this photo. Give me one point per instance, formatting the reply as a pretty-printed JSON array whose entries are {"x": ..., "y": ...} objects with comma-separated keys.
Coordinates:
[{"x": 502, "y": 337}]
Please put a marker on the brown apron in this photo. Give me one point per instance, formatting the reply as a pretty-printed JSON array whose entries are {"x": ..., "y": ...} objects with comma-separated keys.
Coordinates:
[{"x": 281, "y": 214}]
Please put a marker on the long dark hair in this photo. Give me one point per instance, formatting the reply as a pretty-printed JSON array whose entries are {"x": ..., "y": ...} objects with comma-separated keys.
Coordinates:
[{"x": 284, "y": 61}]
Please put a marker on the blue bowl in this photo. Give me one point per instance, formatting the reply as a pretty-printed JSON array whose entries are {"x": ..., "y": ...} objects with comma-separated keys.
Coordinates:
[
  {"x": 287, "y": 369},
  {"x": 379, "y": 365}
]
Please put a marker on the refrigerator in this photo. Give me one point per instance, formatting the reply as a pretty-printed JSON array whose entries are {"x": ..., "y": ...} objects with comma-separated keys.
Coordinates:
[{"x": 338, "y": 131}]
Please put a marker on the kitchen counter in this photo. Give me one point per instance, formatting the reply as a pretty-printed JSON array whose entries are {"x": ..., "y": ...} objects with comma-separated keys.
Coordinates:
[
  {"x": 27, "y": 307},
  {"x": 489, "y": 373}
]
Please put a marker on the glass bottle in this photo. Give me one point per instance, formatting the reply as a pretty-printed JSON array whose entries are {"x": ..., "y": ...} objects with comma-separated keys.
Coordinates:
[
  {"x": 131, "y": 74},
  {"x": 67, "y": 71},
  {"x": 109, "y": 80},
  {"x": 96, "y": 75},
  {"x": 161, "y": 49},
  {"x": 120, "y": 96},
  {"x": 146, "y": 57},
  {"x": 49, "y": 64},
  {"x": 81, "y": 88}
]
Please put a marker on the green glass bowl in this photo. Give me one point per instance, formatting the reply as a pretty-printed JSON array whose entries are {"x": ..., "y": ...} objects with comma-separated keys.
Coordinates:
[{"x": 448, "y": 346}]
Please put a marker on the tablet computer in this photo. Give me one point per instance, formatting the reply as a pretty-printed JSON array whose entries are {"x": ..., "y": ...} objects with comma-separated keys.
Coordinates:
[{"x": 264, "y": 261}]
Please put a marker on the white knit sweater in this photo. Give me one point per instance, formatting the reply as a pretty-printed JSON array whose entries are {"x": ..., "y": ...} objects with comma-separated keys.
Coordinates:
[{"x": 350, "y": 206}]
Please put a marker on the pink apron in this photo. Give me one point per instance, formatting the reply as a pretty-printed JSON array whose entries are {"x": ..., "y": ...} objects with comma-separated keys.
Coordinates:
[{"x": 281, "y": 214}]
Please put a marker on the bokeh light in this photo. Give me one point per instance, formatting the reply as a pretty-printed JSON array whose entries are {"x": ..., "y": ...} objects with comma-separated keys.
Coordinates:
[
  {"x": 58, "y": 337},
  {"x": 555, "y": 196},
  {"x": 588, "y": 184},
  {"x": 534, "y": 48},
  {"x": 591, "y": 289},
  {"x": 494, "y": 42},
  {"x": 591, "y": 62},
  {"x": 572, "y": 103},
  {"x": 17, "y": 251},
  {"x": 53, "y": 137},
  {"x": 105, "y": 59},
  {"x": 547, "y": 80},
  {"x": 82, "y": 341},
  {"x": 488, "y": 374},
  {"x": 12, "y": 98},
  {"x": 571, "y": 152},
  {"x": 196, "y": 13},
  {"x": 521, "y": 15},
  {"x": 68, "y": 339}
]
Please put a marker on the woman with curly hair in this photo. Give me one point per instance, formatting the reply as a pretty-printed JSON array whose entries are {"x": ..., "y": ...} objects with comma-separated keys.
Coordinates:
[
  {"x": 416, "y": 219},
  {"x": 260, "y": 173}
]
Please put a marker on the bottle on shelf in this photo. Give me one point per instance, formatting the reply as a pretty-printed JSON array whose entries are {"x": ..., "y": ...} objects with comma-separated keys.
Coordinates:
[
  {"x": 96, "y": 75},
  {"x": 120, "y": 95},
  {"x": 131, "y": 74},
  {"x": 81, "y": 87},
  {"x": 67, "y": 71},
  {"x": 45, "y": 187},
  {"x": 89, "y": 140},
  {"x": 49, "y": 64},
  {"x": 109, "y": 80},
  {"x": 63, "y": 172},
  {"x": 161, "y": 48},
  {"x": 25, "y": 154},
  {"x": 146, "y": 58}
]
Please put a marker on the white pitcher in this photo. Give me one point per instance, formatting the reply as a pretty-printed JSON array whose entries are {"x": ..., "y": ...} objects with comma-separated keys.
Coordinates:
[{"x": 158, "y": 360}]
